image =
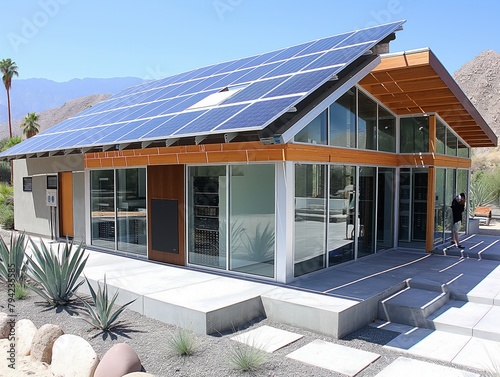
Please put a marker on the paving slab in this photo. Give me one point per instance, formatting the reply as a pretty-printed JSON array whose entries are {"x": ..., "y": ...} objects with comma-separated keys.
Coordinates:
[
  {"x": 267, "y": 338},
  {"x": 481, "y": 354},
  {"x": 404, "y": 366},
  {"x": 488, "y": 327},
  {"x": 438, "y": 345},
  {"x": 459, "y": 317},
  {"x": 334, "y": 357}
]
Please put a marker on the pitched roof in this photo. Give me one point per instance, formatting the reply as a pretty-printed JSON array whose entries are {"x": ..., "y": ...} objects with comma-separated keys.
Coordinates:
[
  {"x": 239, "y": 96},
  {"x": 414, "y": 82}
]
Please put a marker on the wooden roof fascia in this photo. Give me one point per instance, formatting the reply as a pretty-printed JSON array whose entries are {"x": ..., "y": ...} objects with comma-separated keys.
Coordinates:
[{"x": 462, "y": 98}]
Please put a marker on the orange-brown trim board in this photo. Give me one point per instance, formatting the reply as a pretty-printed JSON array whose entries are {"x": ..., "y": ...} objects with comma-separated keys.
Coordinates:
[{"x": 257, "y": 152}]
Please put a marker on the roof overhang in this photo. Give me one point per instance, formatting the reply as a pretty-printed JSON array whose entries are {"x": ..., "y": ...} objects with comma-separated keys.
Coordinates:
[{"x": 415, "y": 82}]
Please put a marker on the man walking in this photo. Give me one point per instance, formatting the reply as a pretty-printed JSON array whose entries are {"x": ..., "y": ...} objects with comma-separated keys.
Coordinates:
[{"x": 457, "y": 208}]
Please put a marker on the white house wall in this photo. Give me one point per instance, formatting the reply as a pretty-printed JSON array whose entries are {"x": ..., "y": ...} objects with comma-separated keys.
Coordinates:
[{"x": 31, "y": 213}]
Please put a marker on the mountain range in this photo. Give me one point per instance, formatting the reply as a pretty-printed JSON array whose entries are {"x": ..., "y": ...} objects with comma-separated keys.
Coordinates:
[{"x": 37, "y": 95}]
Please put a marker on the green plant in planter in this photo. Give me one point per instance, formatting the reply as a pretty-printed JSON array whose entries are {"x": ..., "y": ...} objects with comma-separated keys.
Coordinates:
[
  {"x": 260, "y": 245},
  {"x": 56, "y": 274},
  {"x": 14, "y": 263},
  {"x": 102, "y": 314}
]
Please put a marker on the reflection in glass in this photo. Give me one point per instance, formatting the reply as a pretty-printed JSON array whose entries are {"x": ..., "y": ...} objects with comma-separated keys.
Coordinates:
[
  {"x": 131, "y": 210},
  {"x": 252, "y": 232},
  {"x": 207, "y": 216},
  {"x": 449, "y": 195},
  {"x": 314, "y": 132},
  {"x": 366, "y": 228},
  {"x": 385, "y": 209},
  {"x": 310, "y": 218},
  {"x": 386, "y": 131},
  {"x": 102, "y": 201},
  {"x": 440, "y": 137},
  {"x": 367, "y": 122},
  {"x": 341, "y": 214},
  {"x": 343, "y": 120},
  {"x": 414, "y": 135},
  {"x": 451, "y": 143},
  {"x": 439, "y": 206}
]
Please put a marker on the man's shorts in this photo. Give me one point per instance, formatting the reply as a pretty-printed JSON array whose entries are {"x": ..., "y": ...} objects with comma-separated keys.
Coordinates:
[{"x": 456, "y": 226}]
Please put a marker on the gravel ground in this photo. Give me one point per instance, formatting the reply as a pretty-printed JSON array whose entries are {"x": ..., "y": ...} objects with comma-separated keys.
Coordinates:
[{"x": 149, "y": 338}]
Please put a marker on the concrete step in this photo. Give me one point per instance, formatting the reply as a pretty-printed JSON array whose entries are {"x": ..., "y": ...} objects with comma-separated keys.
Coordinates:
[
  {"x": 467, "y": 318},
  {"x": 412, "y": 306}
]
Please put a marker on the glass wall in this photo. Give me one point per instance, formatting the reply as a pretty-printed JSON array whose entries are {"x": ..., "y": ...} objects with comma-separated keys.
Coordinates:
[
  {"x": 207, "y": 216},
  {"x": 385, "y": 208},
  {"x": 367, "y": 122},
  {"x": 118, "y": 212},
  {"x": 343, "y": 120},
  {"x": 439, "y": 206},
  {"x": 366, "y": 219},
  {"x": 131, "y": 210},
  {"x": 451, "y": 143},
  {"x": 342, "y": 228},
  {"x": 440, "y": 137},
  {"x": 102, "y": 202},
  {"x": 232, "y": 205},
  {"x": 414, "y": 135},
  {"x": 252, "y": 208},
  {"x": 448, "y": 197},
  {"x": 342, "y": 210},
  {"x": 314, "y": 132},
  {"x": 310, "y": 218},
  {"x": 386, "y": 131}
]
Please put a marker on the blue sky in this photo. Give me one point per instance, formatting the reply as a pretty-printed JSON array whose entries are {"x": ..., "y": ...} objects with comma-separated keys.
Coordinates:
[{"x": 65, "y": 39}]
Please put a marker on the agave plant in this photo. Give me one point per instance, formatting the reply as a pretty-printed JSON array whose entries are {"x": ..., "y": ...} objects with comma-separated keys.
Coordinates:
[
  {"x": 14, "y": 263},
  {"x": 101, "y": 314},
  {"x": 260, "y": 245},
  {"x": 56, "y": 274}
]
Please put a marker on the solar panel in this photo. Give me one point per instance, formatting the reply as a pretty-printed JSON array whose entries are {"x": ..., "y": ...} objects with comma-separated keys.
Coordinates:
[
  {"x": 210, "y": 120},
  {"x": 143, "y": 128},
  {"x": 258, "y": 114},
  {"x": 160, "y": 109},
  {"x": 255, "y": 90},
  {"x": 169, "y": 127}
]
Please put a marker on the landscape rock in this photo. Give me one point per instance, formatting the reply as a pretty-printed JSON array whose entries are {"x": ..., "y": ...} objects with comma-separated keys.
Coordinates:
[
  {"x": 139, "y": 374},
  {"x": 73, "y": 356},
  {"x": 4, "y": 326},
  {"x": 119, "y": 360},
  {"x": 43, "y": 341},
  {"x": 25, "y": 331}
]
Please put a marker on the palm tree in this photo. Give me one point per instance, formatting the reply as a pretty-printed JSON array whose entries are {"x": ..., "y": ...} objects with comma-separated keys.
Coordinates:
[
  {"x": 9, "y": 70},
  {"x": 30, "y": 125}
]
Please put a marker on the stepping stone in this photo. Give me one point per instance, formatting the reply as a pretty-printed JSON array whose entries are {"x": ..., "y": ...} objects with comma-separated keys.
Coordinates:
[
  {"x": 404, "y": 366},
  {"x": 267, "y": 338},
  {"x": 334, "y": 357}
]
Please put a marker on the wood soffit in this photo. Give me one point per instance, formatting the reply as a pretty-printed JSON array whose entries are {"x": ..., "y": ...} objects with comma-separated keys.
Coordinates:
[{"x": 417, "y": 83}]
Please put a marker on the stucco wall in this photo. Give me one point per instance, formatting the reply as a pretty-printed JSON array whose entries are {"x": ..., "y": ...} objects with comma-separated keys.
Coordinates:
[{"x": 31, "y": 214}]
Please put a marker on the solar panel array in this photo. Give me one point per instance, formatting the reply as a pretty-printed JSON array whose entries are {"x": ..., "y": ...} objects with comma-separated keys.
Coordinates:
[{"x": 264, "y": 86}]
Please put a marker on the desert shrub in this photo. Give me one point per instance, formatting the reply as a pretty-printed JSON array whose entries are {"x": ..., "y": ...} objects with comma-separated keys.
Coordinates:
[
  {"x": 14, "y": 262},
  {"x": 102, "y": 312},
  {"x": 246, "y": 358},
  {"x": 183, "y": 343},
  {"x": 56, "y": 273}
]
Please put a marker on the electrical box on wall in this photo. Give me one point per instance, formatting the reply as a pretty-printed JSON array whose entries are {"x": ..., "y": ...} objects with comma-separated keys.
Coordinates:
[{"x": 51, "y": 197}]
